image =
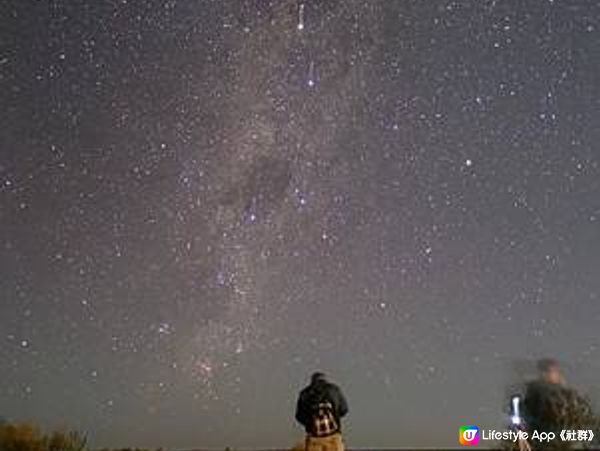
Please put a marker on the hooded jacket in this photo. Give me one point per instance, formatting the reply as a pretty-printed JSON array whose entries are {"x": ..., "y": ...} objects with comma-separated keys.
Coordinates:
[{"x": 331, "y": 392}]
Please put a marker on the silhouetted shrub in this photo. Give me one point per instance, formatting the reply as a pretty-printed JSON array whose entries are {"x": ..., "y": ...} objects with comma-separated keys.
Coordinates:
[
  {"x": 128, "y": 449},
  {"x": 27, "y": 437}
]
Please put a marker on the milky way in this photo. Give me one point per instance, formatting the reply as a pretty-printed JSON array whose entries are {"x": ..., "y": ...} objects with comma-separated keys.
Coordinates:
[
  {"x": 201, "y": 202},
  {"x": 281, "y": 123}
]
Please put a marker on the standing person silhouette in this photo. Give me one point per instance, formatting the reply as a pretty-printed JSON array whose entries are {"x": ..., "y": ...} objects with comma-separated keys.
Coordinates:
[{"x": 320, "y": 408}]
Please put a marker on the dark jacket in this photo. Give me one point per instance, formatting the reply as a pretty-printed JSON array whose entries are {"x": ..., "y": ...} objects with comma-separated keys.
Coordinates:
[
  {"x": 534, "y": 404},
  {"x": 552, "y": 407},
  {"x": 332, "y": 393}
]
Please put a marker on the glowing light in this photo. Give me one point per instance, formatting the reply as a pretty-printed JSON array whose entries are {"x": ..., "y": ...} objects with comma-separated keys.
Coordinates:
[
  {"x": 301, "y": 17},
  {"x": 516, "y": 417}
]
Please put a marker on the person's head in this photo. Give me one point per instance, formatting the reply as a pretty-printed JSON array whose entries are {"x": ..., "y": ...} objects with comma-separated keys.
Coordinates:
[
  {"x": 550, "y": 371},
  {"x": 317, "y": 376}
]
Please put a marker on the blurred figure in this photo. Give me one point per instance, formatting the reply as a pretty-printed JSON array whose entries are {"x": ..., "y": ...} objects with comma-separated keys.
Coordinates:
[
  {"x": 550, "y": 371},
  {"x": 542, "y": 393},
  {"x": 320, "y": 408},
  {"x": 550, "y": 406},
  {"x": 547, "y": 385}
]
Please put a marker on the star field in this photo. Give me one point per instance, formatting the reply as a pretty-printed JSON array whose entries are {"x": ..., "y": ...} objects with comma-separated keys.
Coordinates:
[{"x": 203, "y": 202}]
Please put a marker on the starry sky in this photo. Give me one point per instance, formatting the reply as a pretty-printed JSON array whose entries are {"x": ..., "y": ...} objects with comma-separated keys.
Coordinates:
[{"x": 202, "y": 202}]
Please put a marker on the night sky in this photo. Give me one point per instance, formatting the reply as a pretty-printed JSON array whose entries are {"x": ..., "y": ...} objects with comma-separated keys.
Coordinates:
[{"x": 202, "y": 202}]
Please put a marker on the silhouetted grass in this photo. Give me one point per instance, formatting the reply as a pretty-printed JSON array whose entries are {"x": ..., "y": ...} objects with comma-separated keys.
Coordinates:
[{"x": 27, "y": 437}]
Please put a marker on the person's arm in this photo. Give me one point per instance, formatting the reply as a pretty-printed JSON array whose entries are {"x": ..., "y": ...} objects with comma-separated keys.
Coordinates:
[
  {"x": 531, "y": 402},
  {"x": 301, "y": 410},
  {"x": 342, "y": 404}
]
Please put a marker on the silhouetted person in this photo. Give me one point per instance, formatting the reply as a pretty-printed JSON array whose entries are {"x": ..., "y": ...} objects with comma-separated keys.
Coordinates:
[
  {"x": 550, "y": 406},
  {"x": 320, "y": 409}
]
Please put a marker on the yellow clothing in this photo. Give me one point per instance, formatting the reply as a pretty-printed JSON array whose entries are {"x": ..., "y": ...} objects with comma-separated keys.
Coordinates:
[{"x": 330, "y": 443}]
